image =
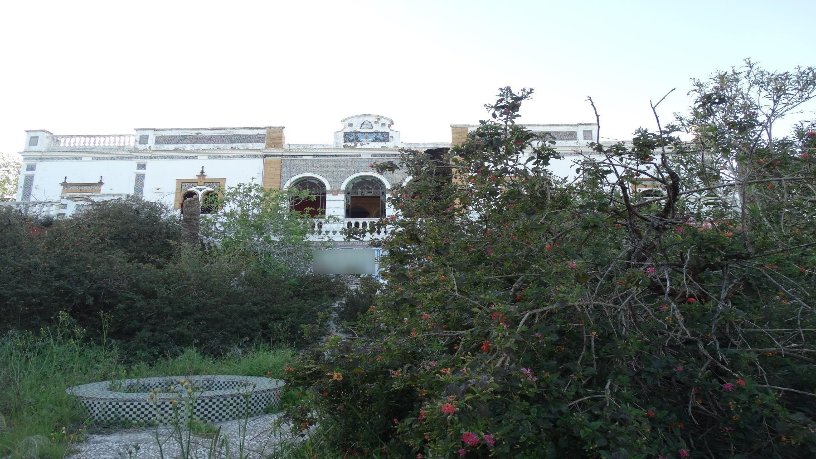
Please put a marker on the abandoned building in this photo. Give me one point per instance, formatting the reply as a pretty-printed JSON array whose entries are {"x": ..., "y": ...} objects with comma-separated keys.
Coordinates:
[{"x": 61, "y": 173}]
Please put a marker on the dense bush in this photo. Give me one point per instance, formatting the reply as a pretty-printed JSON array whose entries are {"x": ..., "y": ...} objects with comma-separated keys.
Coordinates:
[
  {"x": 359, "y": 300},
  {"x": 123, "y": 262},
  {"x": 530, "y": 317}
]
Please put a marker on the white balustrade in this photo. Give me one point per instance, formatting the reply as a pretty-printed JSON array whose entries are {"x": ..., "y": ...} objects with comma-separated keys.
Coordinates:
[
  {"x": 93, "y": 141},
  {"x": 358, "y": 228}
]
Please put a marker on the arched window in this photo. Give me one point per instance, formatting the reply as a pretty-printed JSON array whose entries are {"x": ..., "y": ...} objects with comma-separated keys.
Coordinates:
[
  {"x": 209, "y": 199},
  {"x": 210, "y": 202},
  {"x": 314, "y": 203},
  {"x": 365, "y": 198}
]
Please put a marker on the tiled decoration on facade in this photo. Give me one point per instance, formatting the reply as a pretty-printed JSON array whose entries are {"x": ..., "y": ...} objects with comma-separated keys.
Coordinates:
[
  {"x": 588, "y": 134},
  {"x": 564, "y": 135},
  {"x": 28, "y": 186},
  {"x": 335, "y": 170},
  {"x": 143, "y": 139},
  {"x": 209, "y": 139},
  {"x": 187, "y": 185},
  {"x": 138, "y": 185},
  {"x": 356, "y": 136}
]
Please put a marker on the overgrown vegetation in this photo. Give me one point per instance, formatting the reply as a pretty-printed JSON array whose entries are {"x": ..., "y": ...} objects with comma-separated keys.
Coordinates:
[
  {"x": 123, "y": 261},
  {"x": 527, "y": 316},
  {"x": 151, "y": 305}
]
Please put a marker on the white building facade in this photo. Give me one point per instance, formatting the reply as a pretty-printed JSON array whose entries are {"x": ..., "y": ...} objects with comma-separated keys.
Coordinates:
[{"x": 61, "y": 173}]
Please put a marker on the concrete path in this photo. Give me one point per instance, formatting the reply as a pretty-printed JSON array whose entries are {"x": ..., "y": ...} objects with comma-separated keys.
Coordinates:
[{"x": 261, "y": 440}]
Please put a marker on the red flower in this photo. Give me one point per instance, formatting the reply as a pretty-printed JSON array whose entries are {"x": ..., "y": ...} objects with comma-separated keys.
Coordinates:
[
  {"x": 683, "y": 452},
  {"x": 461, "y": 452},
  {"x": 489, "y": 440},
  {"x": 691, "y": 300},
  {"x": 422, "y": 413},
  {"x": 741, "y": 382},
  {"x": 497, "y": 316},
  {"x": 470, "y": 438},
  {"x": 447, "y": 409},
  {"x": 425, "y": 316},
  {"x": 485, "y": 346},
  {"x": 650, "y": 414}
]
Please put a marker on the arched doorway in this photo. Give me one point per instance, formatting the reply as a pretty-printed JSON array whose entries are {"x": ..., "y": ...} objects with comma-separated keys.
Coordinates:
[
  {"x": 312, "y": 199},
  {"x": 365, "y": 198}
]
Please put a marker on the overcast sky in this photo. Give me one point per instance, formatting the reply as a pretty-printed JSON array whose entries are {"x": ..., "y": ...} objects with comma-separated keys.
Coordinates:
[{"x": 107, "y": 67}]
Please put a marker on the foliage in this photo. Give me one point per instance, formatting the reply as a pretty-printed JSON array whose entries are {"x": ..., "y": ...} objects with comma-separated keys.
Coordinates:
[
  {"x": 123, "y": 260},
  {"x": 82, "y": 265},
  {"x": 35, "y": 370},
  {"x": 9, "y": 176},
  {"x": 530, "y": 317},
  {"x": 359, "y": 300},
  {"x": 220, "y": 303},
  {"x": 256, "y": 221}
]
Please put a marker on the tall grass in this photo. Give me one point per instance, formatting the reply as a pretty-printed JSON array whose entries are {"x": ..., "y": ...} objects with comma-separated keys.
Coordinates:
[{"x": 38, "y": 418}]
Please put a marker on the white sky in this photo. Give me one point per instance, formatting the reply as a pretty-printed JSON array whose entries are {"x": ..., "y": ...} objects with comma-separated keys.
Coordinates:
[{"x": 107, "y": 67}]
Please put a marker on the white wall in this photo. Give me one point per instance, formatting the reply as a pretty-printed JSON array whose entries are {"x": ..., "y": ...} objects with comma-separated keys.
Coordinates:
[{"x": 119, "y": 175}]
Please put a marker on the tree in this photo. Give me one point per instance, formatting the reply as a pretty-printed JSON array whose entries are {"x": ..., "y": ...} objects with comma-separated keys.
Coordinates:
[
  {"x": 528, "y": 317},
  {"x": 9, "y": 176},
  {"x": 258, "y": 222}
]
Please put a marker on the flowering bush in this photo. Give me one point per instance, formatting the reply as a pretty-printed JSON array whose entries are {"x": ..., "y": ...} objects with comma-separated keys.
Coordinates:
[{"x": 530, "y": 317}]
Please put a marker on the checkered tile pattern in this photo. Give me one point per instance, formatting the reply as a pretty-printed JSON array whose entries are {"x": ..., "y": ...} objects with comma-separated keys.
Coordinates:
[{"x": 162, "y": 400}]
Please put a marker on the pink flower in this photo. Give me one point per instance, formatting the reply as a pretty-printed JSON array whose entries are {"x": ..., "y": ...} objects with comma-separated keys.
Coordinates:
[
  {"x": 528, "y": 373},
  {"x": 470, "y": 439},
  {"x": 422, "y": 414},
  {"x": 679, "y": 368},
  {"x": 728, "y": 387},
  {"x": 425, "y": 316},
  {"x": 804, "y": 155},
  {"x": 461, "y": 452},
  {"x": 683, "y": 452},
  {"x": 572, "y": 264},
  {"x": 651, "y": 270},
  {"x": 447, "y": 409},
  {"x": 489, "y": 440}
]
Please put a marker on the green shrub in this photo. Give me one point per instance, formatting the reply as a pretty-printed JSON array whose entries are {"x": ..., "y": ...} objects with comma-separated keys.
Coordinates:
[
  {"x": 359, "y": 300},
  {"x": 123, "y": 259}
]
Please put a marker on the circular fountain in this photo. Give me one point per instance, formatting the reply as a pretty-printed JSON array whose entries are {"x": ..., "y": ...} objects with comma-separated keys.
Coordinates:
[{"x": 166, "y": 399}]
